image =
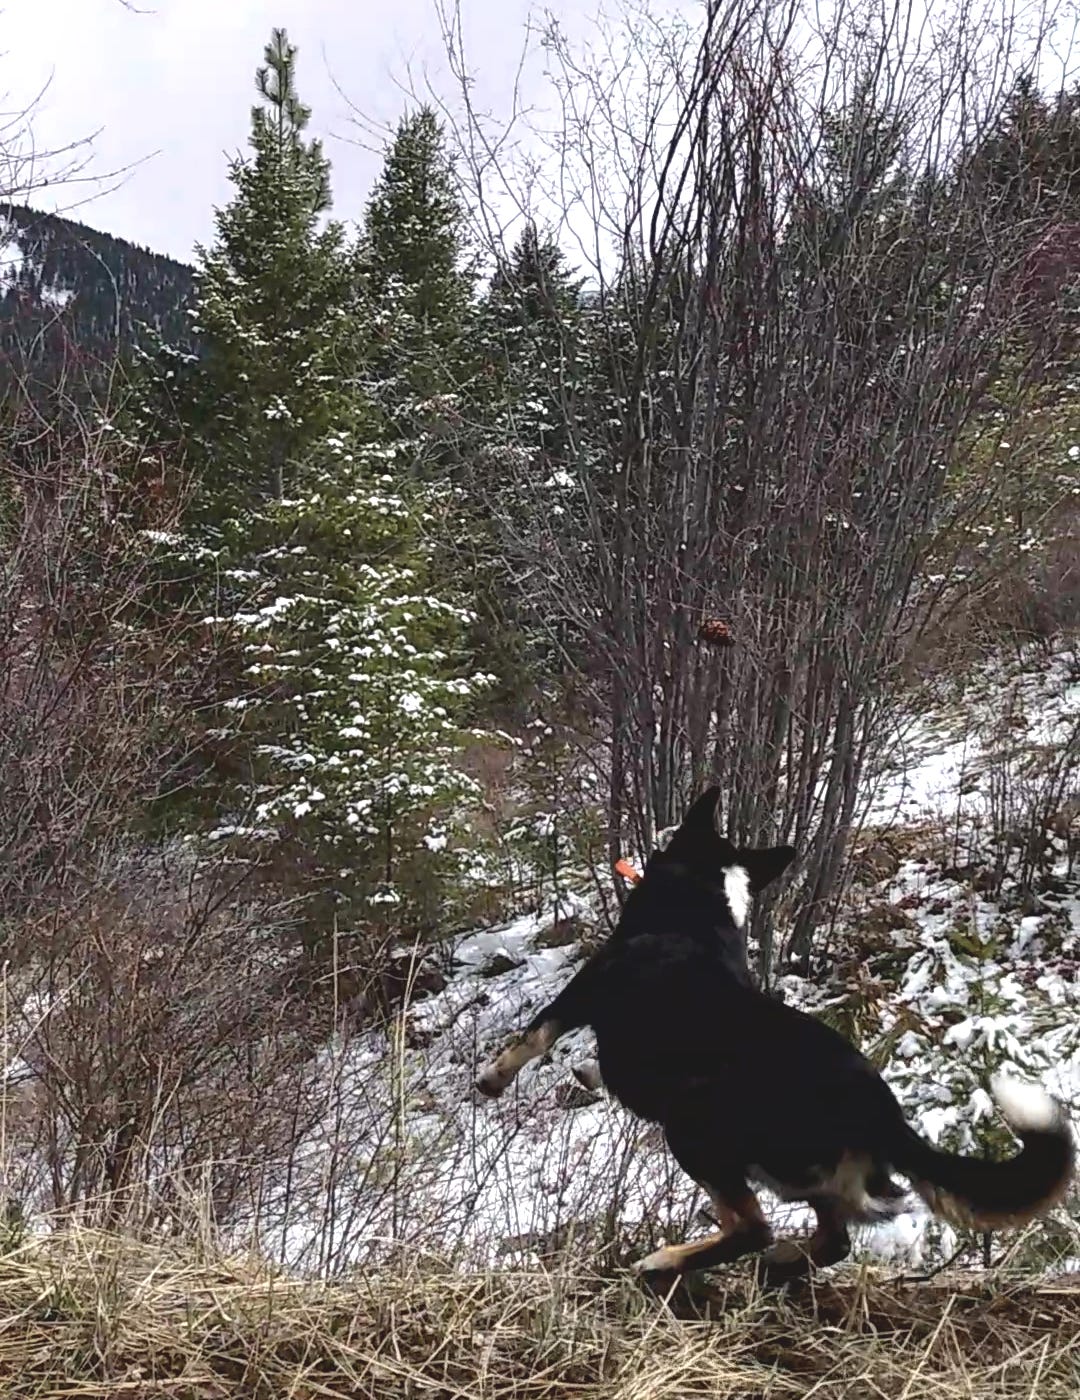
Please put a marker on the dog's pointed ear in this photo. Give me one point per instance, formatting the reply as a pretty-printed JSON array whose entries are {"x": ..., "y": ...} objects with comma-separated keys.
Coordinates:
[
  {"x": 766, "y": 865},
  {"x": 698, "y": 835},
  {"x": 702, "y": 813}
]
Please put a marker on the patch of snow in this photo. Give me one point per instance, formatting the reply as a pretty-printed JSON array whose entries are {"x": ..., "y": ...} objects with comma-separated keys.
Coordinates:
[
  {"x": 13, "y": 260},
  {"x": 60, "y": 298}
]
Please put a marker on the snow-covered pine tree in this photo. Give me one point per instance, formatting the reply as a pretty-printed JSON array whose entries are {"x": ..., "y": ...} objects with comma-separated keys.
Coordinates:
[
  {"x": 522, "y": 471},
  {"x": 274, "y": 314},
  {"x": 358, "y": 690},
  {"x": 417, "y": 288},
  {"x": 341, "y": 723},
  {"x": 530, "y": 325}
]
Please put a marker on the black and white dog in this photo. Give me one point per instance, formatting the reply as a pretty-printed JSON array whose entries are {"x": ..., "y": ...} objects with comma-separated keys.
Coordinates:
[{"x": 749, "y": 1090}]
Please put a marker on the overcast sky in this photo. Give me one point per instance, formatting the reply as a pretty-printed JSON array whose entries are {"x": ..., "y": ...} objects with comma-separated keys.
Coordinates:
[
  {"x": 168, "y": 88},
  {"x": 165, "y": 87}
]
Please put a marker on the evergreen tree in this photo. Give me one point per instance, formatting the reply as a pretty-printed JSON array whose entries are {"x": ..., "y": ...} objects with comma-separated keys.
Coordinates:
[
  {"x": 530, "y": 337},
  {"x": 418, "y": 293},
  {"x": 522, "y": 471},
  {"x": 339, "y": 729},
  {"x": 424, "y": 352},
  {"x": 354, "y": 697},
  {"x": 277, "y": 332},
  {"x": 1029, "y": 162}
]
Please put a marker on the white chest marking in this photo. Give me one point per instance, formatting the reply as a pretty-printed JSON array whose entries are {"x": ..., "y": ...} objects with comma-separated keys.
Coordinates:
[{"x": 737, "y": 891}]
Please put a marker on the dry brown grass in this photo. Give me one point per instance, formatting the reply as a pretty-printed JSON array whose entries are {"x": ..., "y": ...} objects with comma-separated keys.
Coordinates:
[{"x": 85, "y": 1315}]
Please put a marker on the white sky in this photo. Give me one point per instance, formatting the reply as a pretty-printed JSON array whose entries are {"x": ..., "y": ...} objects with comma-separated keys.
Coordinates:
[
  {"x": 168, "y": 89},
  {"x": 165, "y": 87}
]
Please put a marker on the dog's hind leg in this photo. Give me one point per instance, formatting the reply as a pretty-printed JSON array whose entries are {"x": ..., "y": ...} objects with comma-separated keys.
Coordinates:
[
  {"x": 743, "y": 1230},
  {"x": 791, "y": 1260}
]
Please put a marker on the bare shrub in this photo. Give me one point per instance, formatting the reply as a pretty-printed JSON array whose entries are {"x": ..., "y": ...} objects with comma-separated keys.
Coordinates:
[
  {"x": 1032, "y": 785},
  {"x": 163, "y": 1044},
  {"x": 405, "y": 1159},
  {"x": 803, "y": 290},
  {"x": 153, "y": 1001},
  {"x": 1034, "y": 599}
]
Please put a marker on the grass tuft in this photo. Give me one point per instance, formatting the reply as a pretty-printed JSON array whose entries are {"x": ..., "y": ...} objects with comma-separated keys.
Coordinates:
[{"x": 88, "y": 1315}]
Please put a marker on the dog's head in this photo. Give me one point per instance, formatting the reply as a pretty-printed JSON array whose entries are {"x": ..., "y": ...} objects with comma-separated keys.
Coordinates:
[{"x": 739, "y": 871}]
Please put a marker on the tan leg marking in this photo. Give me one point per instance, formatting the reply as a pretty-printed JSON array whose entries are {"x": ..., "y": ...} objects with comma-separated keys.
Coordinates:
[
  {"x": 504, "y": 1069},
  {"x": 743, "y": 1229},
  {"x": 723, "y": 1214}
]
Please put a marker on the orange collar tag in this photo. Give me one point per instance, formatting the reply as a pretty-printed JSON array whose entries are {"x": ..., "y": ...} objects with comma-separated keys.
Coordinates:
[{"x": 627, "y": 871}]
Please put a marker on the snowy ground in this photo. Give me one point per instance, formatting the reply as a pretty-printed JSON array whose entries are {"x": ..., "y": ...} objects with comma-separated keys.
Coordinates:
[
  {"x": 937, "y": 764},
  {"x": 950, "y": 986}
]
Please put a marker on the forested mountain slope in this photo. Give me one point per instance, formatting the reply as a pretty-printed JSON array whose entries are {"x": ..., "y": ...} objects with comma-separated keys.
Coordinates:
[{"x": 71, "y": 297}]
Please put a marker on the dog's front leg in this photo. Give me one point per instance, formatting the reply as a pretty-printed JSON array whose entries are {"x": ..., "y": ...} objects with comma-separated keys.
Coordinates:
[
  {"x": 572, "y": 1008},
  {"x": 533, "y": 1042}
]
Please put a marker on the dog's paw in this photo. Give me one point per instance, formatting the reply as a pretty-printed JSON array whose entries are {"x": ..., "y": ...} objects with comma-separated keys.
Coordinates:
[
  {"x": 491, "y": 1080},
  {"x": 783, "y": 1266},
  {"x": 587, "y": 1075},
  {"x": 660, "y": 1261}
]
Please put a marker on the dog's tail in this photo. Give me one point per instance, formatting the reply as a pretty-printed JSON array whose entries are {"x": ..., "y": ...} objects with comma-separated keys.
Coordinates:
[{"x": 975, "y": 1193}]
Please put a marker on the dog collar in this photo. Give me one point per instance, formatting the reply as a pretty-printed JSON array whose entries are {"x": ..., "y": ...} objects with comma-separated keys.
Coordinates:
[{"x": 627, "y": 871}]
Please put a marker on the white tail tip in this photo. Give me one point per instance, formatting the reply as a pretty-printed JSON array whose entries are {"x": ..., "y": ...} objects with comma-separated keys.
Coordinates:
[{"x": 1026, "y": 1107}]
